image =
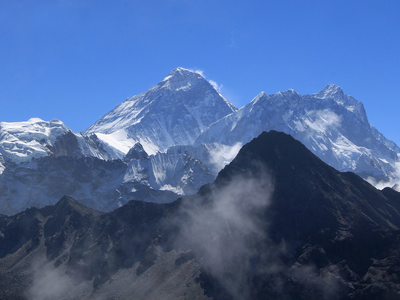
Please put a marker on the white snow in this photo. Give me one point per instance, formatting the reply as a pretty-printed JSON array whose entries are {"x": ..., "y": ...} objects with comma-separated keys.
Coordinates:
[
  {"x": 342, "y": 138},
  {"x": 191, "y": 132},
  {"x": 22, "y": 141},
  {"x": 118, "y": 140},
  {"x": 174, "y": 112}
]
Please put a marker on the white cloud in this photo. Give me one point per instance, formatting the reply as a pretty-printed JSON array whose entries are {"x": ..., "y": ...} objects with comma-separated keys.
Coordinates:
[
  {"x": 224, "y": 231},
  {"x": 321, "y": 120},
  {"x": 223, "y": 155},
  {"x": 198, "y": 71},
  {"x": 49, "y": 283},
  {"x": 394, "y": 182},
  {"x": 215, "y": 85}
]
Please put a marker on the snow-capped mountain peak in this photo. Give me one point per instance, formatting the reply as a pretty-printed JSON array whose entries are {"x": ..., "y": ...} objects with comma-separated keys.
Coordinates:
[
  {"x": 336, "y": 93},
  {"x": 259, "y": 97},
  {"x": 174, "y": 112},
  {"x": 290, "y": 93},
  {"x": 34, "y": 128},
  {"x": 330, "y": 91},
  {"x": 21, "y": 141},
  {"x": 181, "y": 78}
]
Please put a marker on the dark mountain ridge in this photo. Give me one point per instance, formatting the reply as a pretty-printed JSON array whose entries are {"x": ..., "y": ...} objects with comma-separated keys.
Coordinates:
[{"x": 277, "y": 223}]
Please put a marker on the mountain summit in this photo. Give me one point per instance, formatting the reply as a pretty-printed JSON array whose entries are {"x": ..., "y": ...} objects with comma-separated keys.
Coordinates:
[
  {"x": 174, "y": 112},
  {"x": 333, "y": 125},
  {"x": 181, "y": 78}
]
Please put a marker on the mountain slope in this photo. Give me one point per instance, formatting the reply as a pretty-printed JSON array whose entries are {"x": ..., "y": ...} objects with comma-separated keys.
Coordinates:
[
  {"x": 174, "y": 112},
  {"x": 100, "y": 184},
  {"x": 22, "y": 141},
  {"x": 278, "y": 223},
  {"x": 331, "y": 124},
  {"x": 35, "y": 138},
  {"x": 336, "y": 231}
]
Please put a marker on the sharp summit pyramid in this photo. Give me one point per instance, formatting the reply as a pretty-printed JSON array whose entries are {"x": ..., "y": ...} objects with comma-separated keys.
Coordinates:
[{"x": 174, "y": 112}]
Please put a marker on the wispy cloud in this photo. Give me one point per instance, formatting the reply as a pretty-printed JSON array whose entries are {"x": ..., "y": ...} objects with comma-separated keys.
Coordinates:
[
  {"x": 216, "y": 86},
  {"x": 394, "y": 182},
  {"x": 322, "y": 120},
  {"x": 224, "y": 231},
  {"x": 222, "y": 155},
  {"x": 198, "y": 71},
  {"x": 49, "y": 283}
]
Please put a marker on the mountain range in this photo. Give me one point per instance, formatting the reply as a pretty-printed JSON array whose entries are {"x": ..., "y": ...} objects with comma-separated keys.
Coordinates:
[
  {"x": 277, "y": 223},
  {"x": 331, "y": 124},
  {"x": 176, "y": 137}
]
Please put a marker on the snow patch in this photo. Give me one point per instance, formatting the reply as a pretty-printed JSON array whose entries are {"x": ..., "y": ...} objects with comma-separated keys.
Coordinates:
[
  {"x": 118, "y": 140},
  {"x": 22, "y": 141}
]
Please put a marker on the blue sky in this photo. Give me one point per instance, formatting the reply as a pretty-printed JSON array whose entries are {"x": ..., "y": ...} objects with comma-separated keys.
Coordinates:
[{"x": 76, "y": 60}]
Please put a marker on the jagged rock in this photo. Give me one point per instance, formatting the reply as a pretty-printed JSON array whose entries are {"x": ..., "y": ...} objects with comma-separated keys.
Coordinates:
[{"x": 136, "y": 152}]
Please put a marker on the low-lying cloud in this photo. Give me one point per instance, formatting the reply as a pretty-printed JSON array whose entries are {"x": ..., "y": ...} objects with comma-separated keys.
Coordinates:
[
  {"x": 228, "y": 233},
  {"x": 392, "y": 183},
  {"x": 49, "y": 283},
  {"x": 223, "y": 231}
]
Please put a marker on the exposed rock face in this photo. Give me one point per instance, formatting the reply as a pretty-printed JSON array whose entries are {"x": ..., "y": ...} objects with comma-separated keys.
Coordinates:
[
  {"x": 136, "y": 152},
  {"x": 75, "y": 145},
  {"x": 278, "y": 223}
]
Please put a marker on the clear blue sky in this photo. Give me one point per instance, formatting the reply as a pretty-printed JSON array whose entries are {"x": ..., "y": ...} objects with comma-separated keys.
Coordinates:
[{"x": 75, "y": 60}]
